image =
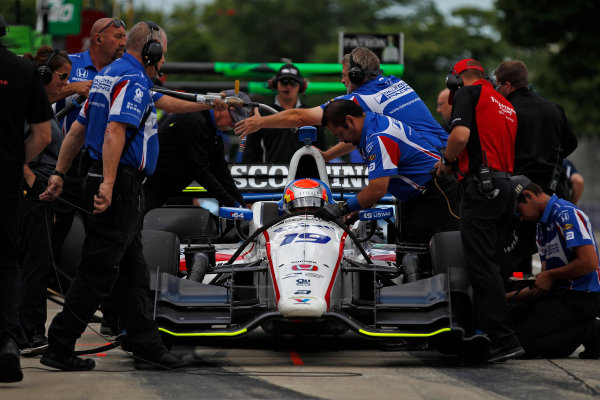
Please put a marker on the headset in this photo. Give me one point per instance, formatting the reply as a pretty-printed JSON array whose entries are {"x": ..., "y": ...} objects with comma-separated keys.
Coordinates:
[
  {"x": 152, "y": 52},
  {"x": 454, "y": 82},
  {"x": 46, "y": 70},
  {"x": 356, "y": 73}
]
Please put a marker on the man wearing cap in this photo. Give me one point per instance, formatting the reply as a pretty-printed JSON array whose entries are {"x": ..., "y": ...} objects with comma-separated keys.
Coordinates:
[
  {"x": 279, "y": 145},
  {"x": 370, "y": 89},
  {"x": 481, "y": 150},
  {"x": 558, "y": 312},
  {"x": 191, "y": 149}
]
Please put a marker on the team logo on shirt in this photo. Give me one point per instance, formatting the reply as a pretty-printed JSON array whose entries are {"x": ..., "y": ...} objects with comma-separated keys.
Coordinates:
[
  {"x": 81, "y": 73},
  {"x": 568, "y": 226},
  {"x": 564, "y": 216},
  {"x": 138, "y": 95},
  {"x": 372, "y": 157}
]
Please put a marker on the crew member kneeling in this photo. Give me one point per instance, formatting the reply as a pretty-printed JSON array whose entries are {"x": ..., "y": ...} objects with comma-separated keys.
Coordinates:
[{"x": 561, "y": 307}]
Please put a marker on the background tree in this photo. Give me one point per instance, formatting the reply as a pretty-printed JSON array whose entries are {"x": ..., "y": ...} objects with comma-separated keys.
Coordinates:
[{"x": 565, "y": 34}]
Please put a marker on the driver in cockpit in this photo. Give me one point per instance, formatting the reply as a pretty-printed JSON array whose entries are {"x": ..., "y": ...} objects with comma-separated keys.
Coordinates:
[{"x": 305, "y": 195}]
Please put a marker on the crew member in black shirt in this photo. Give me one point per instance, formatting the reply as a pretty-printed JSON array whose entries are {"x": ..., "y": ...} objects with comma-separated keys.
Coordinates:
[
  {"x": 481, "y": 145},
  {"x": 271, "y": 145},
  {"x": 22, "y": 98}
]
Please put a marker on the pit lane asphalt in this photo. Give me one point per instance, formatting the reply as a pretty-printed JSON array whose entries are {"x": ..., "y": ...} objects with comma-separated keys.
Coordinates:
[{"x": 258, "y": 366}]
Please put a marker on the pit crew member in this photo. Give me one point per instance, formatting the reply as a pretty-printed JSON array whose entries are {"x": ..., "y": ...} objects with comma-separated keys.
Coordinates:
[
  {"x": 367, "y": 87},
  {"x": 561, "y": 307},
  {"x": 401, "y": 163},
  {"x": 118, "y": 124},
  {"x": 482, "y": 144}
]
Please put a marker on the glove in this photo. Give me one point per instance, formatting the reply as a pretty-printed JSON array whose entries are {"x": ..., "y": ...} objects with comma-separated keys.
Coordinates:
[{"x": 333, "y": 211}]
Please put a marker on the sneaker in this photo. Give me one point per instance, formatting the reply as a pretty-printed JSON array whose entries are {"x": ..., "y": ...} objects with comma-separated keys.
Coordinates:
[
  {"x": 166, "y": 360},
  {"x": 36, "y": 346},
  {"x": 592, "y": 344},
  {"x": 10, "y": 365},
  {"x": 67, "y": 363},
  {"x": 510, "y": 349}
]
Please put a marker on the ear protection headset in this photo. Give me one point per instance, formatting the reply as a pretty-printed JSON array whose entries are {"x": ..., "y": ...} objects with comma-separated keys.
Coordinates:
[
  {"x": 454, "y": 82},
  {"x": 46, "y": 70},
  {"x": 152, "y": 51},
  {"x": 355, "y": 72}
]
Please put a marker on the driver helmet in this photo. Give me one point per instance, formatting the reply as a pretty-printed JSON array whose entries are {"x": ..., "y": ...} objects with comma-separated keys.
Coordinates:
[{"x": 305, "y": 195}]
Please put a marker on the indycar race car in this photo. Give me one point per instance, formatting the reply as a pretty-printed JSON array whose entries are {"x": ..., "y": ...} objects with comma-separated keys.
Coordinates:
[{"x": 296, "y": 273}]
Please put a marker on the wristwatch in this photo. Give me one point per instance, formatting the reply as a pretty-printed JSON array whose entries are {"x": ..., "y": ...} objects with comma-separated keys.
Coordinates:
[
  {"x": 445, "y": 161},
  {"x": 57, "y": 173}
]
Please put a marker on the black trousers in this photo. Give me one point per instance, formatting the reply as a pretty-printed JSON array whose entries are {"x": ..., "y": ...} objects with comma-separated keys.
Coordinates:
[
  {"x": 556, "y": 324},
  {"x": 64, "y": 212},
  {"x": 35, "y": 258},
  {"x": 10, "y": 274},
  {"x": 431, "y": 211},
  {"x": 483, "y": 225},
  {"x": 111, "y": 257}
]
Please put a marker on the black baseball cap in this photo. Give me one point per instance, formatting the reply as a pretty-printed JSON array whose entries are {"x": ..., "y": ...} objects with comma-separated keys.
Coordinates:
[{"x": 289, "y": 71}]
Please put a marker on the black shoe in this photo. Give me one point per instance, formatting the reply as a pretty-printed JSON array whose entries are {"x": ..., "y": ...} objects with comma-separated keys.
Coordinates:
[
  {"x": 510, "y": 348},
  {"x": 592, "y": 345},
  {"x": 108, "y": 329},
  {"x": 36, "y": 346},
  {"x": 67, "y": 363},
  {"x": 166, "y": 360},
  {"x": 10, "y": 365}
]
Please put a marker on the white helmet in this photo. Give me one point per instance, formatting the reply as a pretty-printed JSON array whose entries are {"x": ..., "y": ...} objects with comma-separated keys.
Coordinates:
[{"x": 304, "y": 193}]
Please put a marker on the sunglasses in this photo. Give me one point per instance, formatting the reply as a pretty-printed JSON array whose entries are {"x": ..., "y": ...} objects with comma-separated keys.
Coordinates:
[
  {"x": 62, "y": 75},
  {"x": 117, "y": 22},
  {"x": 288, "y": 82}
]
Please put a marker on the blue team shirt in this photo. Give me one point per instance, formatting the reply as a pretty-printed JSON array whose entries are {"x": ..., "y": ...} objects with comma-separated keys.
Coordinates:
[
  {"x": 394, "y": 149},
  {"x": 121, "y": 93},
  {"x": 562, "y": 228},
  {"x": 82, "y": 69},
  {"x": 391, "y": 96}
]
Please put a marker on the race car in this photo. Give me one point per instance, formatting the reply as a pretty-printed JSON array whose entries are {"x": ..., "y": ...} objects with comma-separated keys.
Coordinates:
[{"x": 295, "y": 273}]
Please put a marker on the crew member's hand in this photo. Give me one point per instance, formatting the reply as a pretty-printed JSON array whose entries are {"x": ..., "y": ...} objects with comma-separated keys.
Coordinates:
[
  {"x": 332, "y": 211},
  {"x": 220, "y": 105},
  {"x": 543, "y": 283},
  {"x": 54, "y": 189},
  {"x": 248, "y": 125},
  {"x": 103, "y": 199},
  {"x": 443, "y": 169},
  {"x": 81, "y": 88}
]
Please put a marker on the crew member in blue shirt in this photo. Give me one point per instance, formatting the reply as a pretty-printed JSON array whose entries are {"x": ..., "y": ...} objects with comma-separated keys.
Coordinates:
[
  {"x": 561, "y": 308},
  {"x": 400, "y": 162},
  {"x": 118, "y": 124},
  {"x": 374, "y": 92}
]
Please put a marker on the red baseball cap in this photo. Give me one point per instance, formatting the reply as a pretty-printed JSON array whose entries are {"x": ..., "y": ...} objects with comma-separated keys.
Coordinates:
[{"x": 467, "y": 63}]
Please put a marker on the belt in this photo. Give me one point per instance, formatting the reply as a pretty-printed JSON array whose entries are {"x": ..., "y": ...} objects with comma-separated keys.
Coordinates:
[{"x": 96, "y": 168}]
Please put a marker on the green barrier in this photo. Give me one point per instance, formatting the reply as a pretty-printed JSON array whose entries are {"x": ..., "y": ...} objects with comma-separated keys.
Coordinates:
[
  {"x": 311, "y": 88},
  {"x": 306, "y": 69}
]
